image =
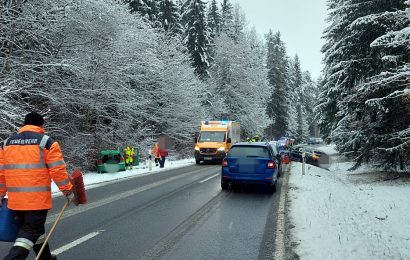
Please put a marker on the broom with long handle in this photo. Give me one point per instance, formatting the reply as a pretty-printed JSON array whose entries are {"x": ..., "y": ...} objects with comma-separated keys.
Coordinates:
[
  {"x": 79, "y": 194},
  {"x": 53, "y": 227}
]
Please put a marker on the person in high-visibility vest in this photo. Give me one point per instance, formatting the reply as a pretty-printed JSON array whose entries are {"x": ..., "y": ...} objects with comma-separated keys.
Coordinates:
[
  {"x": 29, "y": 160},
  {"x": 155, "y": 153},
  {"x": 256, "y": 138},
  {"x": 129, "y": 157}
]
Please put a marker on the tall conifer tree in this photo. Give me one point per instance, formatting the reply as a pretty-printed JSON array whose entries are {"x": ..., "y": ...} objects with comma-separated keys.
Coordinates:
[
  {"x": 298, "y": 100},
  {"x": 146, "y": 8},
  {"x": 169, "y": 17},
  {"x": 277, "y": 65},
  {"x": 227, "y": 18},
  {"x": 214, "y": 20},
  {"x": 361, "y": 100},
  {"x": 196, "y": 35}
]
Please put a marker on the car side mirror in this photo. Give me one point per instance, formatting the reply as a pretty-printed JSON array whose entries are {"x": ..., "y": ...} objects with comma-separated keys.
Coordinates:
[{"x": 229, "y": 140}]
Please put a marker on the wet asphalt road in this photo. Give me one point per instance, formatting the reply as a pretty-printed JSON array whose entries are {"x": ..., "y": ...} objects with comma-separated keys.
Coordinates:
[{"x": 175, "y": 214}]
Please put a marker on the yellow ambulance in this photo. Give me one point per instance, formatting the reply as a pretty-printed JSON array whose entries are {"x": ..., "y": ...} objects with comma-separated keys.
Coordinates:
[{"x": 214, "y": 140}]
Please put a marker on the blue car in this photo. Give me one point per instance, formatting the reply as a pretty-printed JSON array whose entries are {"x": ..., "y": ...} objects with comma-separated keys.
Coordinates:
[{"x": 250, "y": 163}]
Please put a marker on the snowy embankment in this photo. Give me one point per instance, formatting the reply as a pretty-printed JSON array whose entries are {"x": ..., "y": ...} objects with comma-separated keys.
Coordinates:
[
  {"x": 94, "y": 179},
  {"x": 339, "y": 214}
]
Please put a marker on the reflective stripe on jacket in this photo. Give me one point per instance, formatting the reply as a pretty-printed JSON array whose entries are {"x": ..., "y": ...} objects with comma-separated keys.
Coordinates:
[{"x": 29, "y": 160}]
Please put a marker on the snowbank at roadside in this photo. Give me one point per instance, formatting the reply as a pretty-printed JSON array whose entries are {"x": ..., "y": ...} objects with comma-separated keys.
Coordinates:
[
  {"x": 348, "y": 215},
  {"x": 94, "y": 179}
]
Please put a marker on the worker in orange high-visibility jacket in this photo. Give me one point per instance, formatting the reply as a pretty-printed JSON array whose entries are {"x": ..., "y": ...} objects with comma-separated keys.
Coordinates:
[
  {"x": 155, "y": 153},
  {"x": 29, "y": 160}
]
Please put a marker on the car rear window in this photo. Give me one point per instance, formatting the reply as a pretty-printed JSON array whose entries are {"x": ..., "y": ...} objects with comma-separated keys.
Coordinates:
[
  {"x": 248, "y": 151},
  {"x": 274, "y": 148}
]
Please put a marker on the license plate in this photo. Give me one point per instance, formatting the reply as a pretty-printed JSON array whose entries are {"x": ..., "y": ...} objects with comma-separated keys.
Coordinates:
[{"x": 207, "y": 158}]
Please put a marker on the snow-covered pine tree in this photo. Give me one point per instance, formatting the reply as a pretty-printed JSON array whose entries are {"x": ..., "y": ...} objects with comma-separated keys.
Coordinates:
[
  {"x": 297, "y": 116},
  {"x": 182, "y": 5},
  {"x": 378, "y": 124},
  {"x": 196, "y": 35},
  {"x": 146, "y": 8},
  {"x": 170, "y": 18},
  {"x": 137, "y": 6},
  {"x": 326, "y": 109},
  {"x": 239, "y": 23},
  {"x": 347, "y": 60},
  {"x": 311, "y": 94},
  {"x": 351, "y": 63},
  {"x": 213, "y": 20},
  {"x": 277, "y": 65},
  {"x": 227, "y": 18},
  {"x": 214, "y": 27}
]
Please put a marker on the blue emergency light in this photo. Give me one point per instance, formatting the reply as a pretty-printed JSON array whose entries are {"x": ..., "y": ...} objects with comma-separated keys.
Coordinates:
[{"x": 223, "y": 122}]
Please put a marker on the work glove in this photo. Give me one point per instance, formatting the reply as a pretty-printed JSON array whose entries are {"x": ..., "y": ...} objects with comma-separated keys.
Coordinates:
[{"x": 71, "y": 196}]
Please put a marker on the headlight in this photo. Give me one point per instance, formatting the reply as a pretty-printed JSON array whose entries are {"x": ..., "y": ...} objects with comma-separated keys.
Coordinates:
[
  {"x": 221, "y": 149},
  {"x": 196, "y": 148}
]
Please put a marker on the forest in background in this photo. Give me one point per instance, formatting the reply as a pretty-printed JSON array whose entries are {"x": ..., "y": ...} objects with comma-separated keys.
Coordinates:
[
  {"x": 109, "y": 73},
  {"x": 112, "y": 73}
]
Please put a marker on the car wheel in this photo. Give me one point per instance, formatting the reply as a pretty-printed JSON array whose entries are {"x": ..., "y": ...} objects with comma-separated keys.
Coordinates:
[
  {"x": 272, "y": 188},
  {"x": 225, "y": 186}
]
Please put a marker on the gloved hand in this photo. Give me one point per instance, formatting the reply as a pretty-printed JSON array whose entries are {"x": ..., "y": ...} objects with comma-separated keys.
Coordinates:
[{"x": 71, "y": 196}]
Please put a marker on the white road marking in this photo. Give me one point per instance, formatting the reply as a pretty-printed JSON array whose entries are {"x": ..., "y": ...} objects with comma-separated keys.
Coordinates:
[
  {"x": 76, "y": 242},
  {"x": 280, "y": 224},
  {"x": 207, "y": 179}
]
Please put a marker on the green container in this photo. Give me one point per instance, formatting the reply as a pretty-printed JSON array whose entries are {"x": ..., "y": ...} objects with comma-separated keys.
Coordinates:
[{"x": 110, "y": 161}]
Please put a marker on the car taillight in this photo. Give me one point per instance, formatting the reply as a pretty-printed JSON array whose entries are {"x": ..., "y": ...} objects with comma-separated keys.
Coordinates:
[
  {"x": 100, "y": 161},
  {"x": 271, "y": 165},
  {"x": 285, "y": 159},
  {"x": 224, "y": 163}
]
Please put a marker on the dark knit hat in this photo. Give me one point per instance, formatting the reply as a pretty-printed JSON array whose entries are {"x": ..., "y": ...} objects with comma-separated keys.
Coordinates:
[{"x": 34, "y": 118}]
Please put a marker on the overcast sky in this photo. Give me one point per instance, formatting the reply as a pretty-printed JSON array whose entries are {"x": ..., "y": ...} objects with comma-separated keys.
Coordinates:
[{"x": 301, "y": 23}]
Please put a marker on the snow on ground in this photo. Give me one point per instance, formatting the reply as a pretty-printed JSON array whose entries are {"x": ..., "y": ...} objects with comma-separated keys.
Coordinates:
[
  {"x": 94, "y": 179},
  {"x": 339, "y": 214}
]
